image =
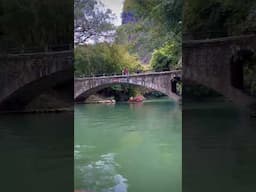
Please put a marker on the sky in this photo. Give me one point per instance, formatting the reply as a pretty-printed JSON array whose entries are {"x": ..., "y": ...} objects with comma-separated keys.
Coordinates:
[{"x": 116, "y": 6}]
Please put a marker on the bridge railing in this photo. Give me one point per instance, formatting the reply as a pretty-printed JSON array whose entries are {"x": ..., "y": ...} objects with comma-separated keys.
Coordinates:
[
  {"x": 123, "y": 75},
  {"x": 47, "y": 48},
  {"x": 98, "y": 75},
  {"x": 210, "y": 35}
]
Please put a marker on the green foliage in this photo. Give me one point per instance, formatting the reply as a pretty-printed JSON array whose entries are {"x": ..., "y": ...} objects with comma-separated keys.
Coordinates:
[
  {"x": 179, "y": 88},
  {"x": 249, "y": 76},
  {"x": 167, "y": 13},
  {"x": 36, "y": 23},
  {"x": 215, "y": 18},
  {"x": 92, "y": 21},
  {"x": 140, "y": 39},
  {"x": 157, "y": 22},
  {"x": 121, "y": 92},
  {"x": 167, "y": 57},
  {"x": 140, "y": 8},
  {"x": 104, "y": 58}
]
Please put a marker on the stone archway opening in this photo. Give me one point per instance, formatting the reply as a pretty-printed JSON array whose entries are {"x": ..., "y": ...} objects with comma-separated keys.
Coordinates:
[
  {"x": 122, "y": 92},
  {"x": 241, "y": 64},
  {"x": 43, "y": 94},
  {"x": 176, "y": 85},
  {"x": 126, "y": 90},
  {"x": 195, "y": 91}
]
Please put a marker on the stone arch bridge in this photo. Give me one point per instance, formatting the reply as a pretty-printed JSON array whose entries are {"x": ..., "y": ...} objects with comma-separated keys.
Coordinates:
[
  {"x": 214, "y": 63},
  {"x": 160, "y": 81},
  {"x": 25, "y": 76},
  {"x": 218, "y": 64}
]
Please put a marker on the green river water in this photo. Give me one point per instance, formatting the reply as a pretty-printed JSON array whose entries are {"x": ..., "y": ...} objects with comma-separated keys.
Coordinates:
[
  {"x": 219, "y": 147},
  {"x": 128, "y": 147},
  {"x": 134, "y": 148},
  {"x": 36, "y": 152}
]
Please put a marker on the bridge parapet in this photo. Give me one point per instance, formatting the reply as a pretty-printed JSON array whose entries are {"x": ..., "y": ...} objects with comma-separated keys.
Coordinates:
[
  {"x": 5, "y": 50},
  {"x": 172, "y": 73},
  {"x": 221, "y": 40}
]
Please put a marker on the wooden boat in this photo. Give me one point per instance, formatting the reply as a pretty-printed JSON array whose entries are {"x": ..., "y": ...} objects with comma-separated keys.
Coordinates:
[{"x": 136, "y": 99}]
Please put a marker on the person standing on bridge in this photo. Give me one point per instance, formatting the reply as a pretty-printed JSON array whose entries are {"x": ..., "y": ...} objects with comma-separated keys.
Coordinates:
[{"x": 126, "y": 72}]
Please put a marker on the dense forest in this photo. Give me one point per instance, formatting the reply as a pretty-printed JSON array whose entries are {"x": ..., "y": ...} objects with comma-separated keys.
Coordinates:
[
  {"x": 216, "y": 18},
  {"x": 35, "y": 24},
  {"x": 104, "y": 58},
  {"x": 147, "y": 39},
  {"x": 152, "y": 30}
]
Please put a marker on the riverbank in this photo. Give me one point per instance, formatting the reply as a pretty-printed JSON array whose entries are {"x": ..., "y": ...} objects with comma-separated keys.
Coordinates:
[
  {"x": 52, "y": 101},
  {"x": 98, "y": 99}
]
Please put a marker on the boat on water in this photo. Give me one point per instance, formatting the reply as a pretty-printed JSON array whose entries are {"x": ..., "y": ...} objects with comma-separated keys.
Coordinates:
[{"x": 136, "y": 99}]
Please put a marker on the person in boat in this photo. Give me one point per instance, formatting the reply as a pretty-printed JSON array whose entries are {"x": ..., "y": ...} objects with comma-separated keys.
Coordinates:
[{"x": 138, "y": 98}]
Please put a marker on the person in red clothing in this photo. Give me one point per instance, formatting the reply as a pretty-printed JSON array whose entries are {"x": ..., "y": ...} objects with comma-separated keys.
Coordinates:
[{"x": 126, "y": 71}]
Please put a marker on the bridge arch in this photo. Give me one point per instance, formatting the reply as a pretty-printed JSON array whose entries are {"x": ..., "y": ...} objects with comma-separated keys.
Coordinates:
[
  {"x": 213, "y": 63},
  {"x": 25, "y": 76},
  {"x": 233, "y": 94},
  {"x": 94, "y": 90},
  {"x": 20, "y": 97}
]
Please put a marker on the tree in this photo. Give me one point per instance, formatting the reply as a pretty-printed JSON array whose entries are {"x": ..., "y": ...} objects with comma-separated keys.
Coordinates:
[
  {"x": 104, "y": 58},
  {"x": 35, "y": 24},
  {"x": 149, "y": 26},
  {"x": 92, "y": 21},
  {"x": 167, "y": 57},
  {"x": 217, "y": 18}
]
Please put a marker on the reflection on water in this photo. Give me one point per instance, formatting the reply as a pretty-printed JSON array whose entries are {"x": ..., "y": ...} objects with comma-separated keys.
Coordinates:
[
  {"x": 219, "y": 148},
  {"x": 128, "y": 147},
  {"x": 36, "y": 152}
]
